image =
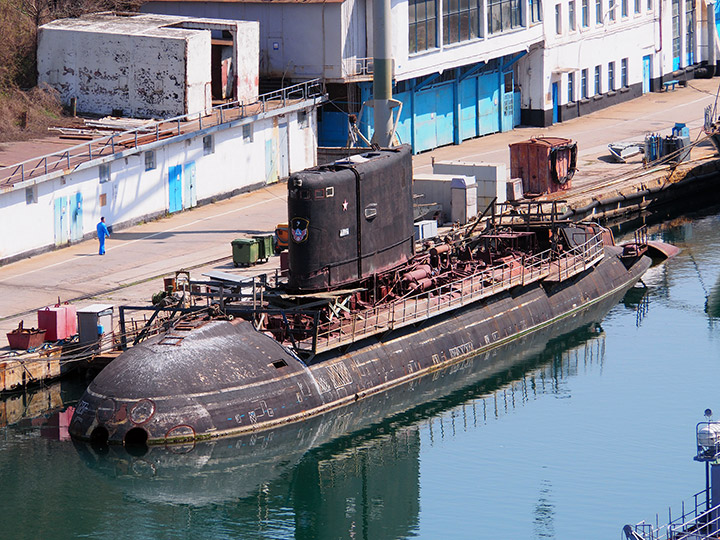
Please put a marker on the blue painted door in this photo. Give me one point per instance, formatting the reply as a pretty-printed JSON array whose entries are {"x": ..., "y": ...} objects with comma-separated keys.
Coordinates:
[
  {"x": 403, "y": 132},
  {"x": 425, "y": 138},
  {"x": 647, "y": 73},
  {"x": 175, "y": 188},
  {"x": 468, "y": 108},
  {"x": 332, "y": 128},
  {"x": 76, "y": 221},
  {"x": 271, "y": 169},
  {"x": 555, "y": 104},
  {"x": 445, "y": 122},
  {"x": 189, "y": 193},
  {"x": 434, "y": 117},
  {"x": 61, "y": 221},
  {"x": 488, "y": 106},
  {"x": 508, "y": 102},
  {"x": 516, "y": 110}
]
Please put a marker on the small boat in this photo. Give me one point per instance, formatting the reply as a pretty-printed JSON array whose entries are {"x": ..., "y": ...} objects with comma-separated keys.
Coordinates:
[
  {"x": 362, "y": 311},
  {"x": 624, "y": 151}
]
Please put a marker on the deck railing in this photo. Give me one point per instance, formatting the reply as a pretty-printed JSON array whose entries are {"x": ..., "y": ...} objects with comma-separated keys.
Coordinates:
[
  {"x": 579, "y": 258},
  {"x": 695, "y": 522},
  {"x": 449, "y": 296},
  {"x": 153, "y": 131},
  {"x": 358, "y": 67}
]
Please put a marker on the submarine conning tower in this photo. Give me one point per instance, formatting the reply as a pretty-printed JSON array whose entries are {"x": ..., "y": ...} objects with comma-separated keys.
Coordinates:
[{"x": 350, "y": 219}]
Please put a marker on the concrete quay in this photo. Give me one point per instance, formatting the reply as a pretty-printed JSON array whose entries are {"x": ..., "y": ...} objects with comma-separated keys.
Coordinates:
[{"x": 199, "y": 239}]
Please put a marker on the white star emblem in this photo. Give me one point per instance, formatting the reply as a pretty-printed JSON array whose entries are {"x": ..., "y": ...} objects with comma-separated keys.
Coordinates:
[{"x": 345, "y": 205}]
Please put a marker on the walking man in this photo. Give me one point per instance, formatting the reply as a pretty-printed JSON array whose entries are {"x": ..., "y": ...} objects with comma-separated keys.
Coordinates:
[{"x": 102, "y": 232}]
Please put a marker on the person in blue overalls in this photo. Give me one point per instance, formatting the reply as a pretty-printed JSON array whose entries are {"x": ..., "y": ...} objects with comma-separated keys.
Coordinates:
[{"x": 102, "y": 232}]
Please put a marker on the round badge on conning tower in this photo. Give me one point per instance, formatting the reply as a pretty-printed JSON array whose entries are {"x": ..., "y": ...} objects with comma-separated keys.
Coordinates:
[{"x": 299, "y": 229}]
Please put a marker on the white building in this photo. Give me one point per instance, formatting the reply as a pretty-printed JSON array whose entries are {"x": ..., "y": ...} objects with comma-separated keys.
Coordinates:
[
  {"x": 142, "y": 174},
  {"x": 148, "y": 66},
  {"x": 596, "y": 53},
  {"x": 465, "y": 68}
]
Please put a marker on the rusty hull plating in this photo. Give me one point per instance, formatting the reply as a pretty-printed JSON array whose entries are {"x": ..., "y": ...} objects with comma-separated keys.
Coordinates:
[{"x": 289, "y": 354}]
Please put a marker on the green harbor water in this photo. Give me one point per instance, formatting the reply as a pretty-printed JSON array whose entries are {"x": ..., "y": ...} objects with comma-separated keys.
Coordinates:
[{"x": 586, "y": 432}]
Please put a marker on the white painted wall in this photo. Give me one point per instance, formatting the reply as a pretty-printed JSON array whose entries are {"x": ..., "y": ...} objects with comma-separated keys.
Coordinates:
[
  {"x": 629, "y": 37},
  {"x": 449, "y": 56},
  {"x": 134, "y": 194}
]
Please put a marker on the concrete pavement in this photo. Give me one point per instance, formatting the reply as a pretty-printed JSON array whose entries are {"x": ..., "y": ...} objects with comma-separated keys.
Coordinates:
[{"x": 199, "y": 239}]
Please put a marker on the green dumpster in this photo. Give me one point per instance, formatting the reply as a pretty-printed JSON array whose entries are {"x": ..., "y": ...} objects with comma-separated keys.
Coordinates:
[
  {"x": 245, "y": 251},
  {"x": 265, "y": 246}
]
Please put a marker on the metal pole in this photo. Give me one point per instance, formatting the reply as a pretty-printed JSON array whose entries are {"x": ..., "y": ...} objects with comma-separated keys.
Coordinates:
[
  {"x": 707, "y": 485},
  {"x": 711, "y": 31},
  {"x": 382, "y": 69}
]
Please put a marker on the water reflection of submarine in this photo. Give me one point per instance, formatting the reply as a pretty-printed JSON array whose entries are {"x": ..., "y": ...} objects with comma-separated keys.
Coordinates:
[
  {"x": 712, "y": 303},
  {"x": 226, "y": 469}
]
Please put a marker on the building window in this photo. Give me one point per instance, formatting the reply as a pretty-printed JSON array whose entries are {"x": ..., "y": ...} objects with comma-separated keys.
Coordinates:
[
  {"x": 638, "y": 7},
  {"x": 150, "y": 160},
  {"x": 585, "y": 13},
  {"x": 104, "y": 173},
  {"x": 690, "y": 31},
  {"x": 461, "y": 20},
  {"x": 422, "y": 19},
  {"x": 597, "y": 81},
  {"x": 584, "y": 84},
  {"x": 503, "y": 15},
  {"x": 571, "y": 87},
  {"x": 535, "y": 11},
  {"x": 31, "y": 195},
  {"x": 611, "y": 76},
  {"x": 676, "y": 33},
  {"x": 248, "y": 133},
  {"x": 611, "y": 9},
  {"x": 571, "y": 15},
  {"x": 624, "y": 72},
  {"x": 208, "y": 145},
  {"x": 598, "y": 12},
  {"x": 624, "y": 8},
  {"x": 558, "y": 19},
  {"x": 649, "y": 5}
]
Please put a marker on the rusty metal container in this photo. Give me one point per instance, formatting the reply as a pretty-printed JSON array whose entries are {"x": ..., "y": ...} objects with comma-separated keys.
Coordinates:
[
  {"x": 546, "y": 165},
  {"x": 24, "y": 338}
]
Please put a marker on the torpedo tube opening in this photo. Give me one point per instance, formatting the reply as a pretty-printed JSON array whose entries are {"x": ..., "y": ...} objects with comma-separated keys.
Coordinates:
[
  {"x": 99, "y": 440},
  {"x": 136, "y": 441}
]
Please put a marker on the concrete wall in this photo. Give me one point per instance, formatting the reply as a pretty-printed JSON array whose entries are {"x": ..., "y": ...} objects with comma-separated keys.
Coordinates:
[
  {"x": 143, "y": 76},
  {"x": 297, "y": 41},
  {"x": 133, "y": 194},
  {"x": 490, "y": 179},
  {"x": 246, "y": 63}
]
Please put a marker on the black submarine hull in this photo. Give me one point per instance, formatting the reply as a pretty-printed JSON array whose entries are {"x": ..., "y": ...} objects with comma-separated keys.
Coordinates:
[
  {"x": 221, "y": 471},
  {"x": 226, "y": 378}
]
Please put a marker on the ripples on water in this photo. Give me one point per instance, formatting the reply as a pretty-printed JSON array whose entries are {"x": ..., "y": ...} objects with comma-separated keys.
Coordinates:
[{"x": 571, "y": 439}]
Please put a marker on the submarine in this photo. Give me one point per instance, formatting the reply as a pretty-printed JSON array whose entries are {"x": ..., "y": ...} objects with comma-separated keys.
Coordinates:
[{"x": 363, "y": 310}]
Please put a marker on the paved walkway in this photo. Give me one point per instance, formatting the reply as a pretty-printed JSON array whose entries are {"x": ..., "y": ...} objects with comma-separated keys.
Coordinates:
[{"x": 200, "y": 239}]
